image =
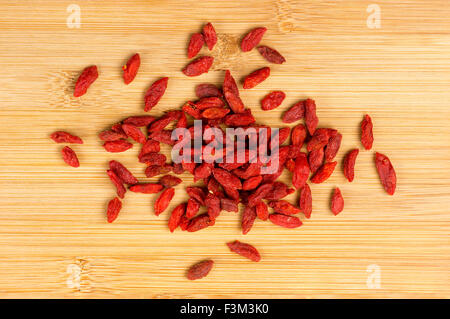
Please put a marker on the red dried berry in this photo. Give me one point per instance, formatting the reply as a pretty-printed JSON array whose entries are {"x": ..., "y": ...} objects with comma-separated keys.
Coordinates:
[
  {"x": 241, "y": 119},
  {"x": 272, "y": 100},
  {"x": 139, "y": 121},
  {"x": 386, "y": 172},
  {"x": 231, "y": 93},
  {"x": 199, "y": 66},
  {"x": 154, "y": 93},
  {"x": 207, "y": 90},
  {"x": 195, "y": 45},
  {"x": 131, "y": 68},
  {"x": 64, "y": 137},
  {"x": 252, "y": 39},
  {"x": 319, "y": 139},
  {"x": 257, "y": 195},
  {"x": 146, "y": 188},
  {"x": 210, "y": 36},
  {"x": 337, "y": 202},
  {"x": 212, "y": 202},
  {"x": 246, "y": 250},
  {"x": 248, "y": 218},
  {"x": 279, "y": 191},
  {"x": 270, "y": 54},
  {"x": 164, "y": 200},
  {"x": 215, "y": 113},
  {"x": 284, "y": 207},
  {"x": 192, "y": 208},
  {"x": 134, "y": 133},
  {"x": 301, "y": 171},
  {"x": 70, "y": 157},
  {"x": 367, "y": 132},
  {"x": 285, "y": 220},
  {"x": 295, "y": 113},
  {"x": 256, "y": 77},
  {"x": 226, "y": 178},
  {"x": 333, "y": 146},
  {"x": 110, "y": 135},
  {"x": 349, "y": 164},
  {"x": 169, "y": 181},
  {"x": 200, "y": 222},
  {"x": 323, "y": 173},
  {"x": 229, "y": 205},
  {"x": 252, "y": 182},
  {"x": 175, "y": 217},
  {"x": 123, "y": 173},
  {"x": 305, "y": 201},
  {"x": 310, "y": 116},
  {"x": 200, "y": 270},
  {"x": 208, "y": 102},
  {"x": 196, "y": 193},
  {"x": 262, "y": 211},
  {"x": 151, "y": 146},
  {"x": 86, "y": 78},
  {"x": 114, "y": 207},
  {"x": 117, "y": 183},
  {"x": 298, "y": 135},
  {"x": 315, "y": 159},
  {"x": 117, "y": 146},
  {"x": 153, "y": 159}
]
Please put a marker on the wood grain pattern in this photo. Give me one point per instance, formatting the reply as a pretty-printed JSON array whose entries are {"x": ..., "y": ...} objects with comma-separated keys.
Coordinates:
[{"x": 54, "y": 240}]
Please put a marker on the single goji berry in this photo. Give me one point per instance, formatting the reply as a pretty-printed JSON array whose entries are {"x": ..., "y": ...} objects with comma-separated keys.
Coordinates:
[
  {"x": 305, "y": 201},
  {"x": 271, "y": 55},
  {"x": 298, "y": 135},
  {"x": 386, "y": 172},
  {"x": 139, "y": 121},
  {"x": 197, "y": 193},
  {"x": 231, "y": 93},
  {"x": 175, "y": 217},
  {"x": 279, "y": 191},
  {"x": 110, "y": 135},
  {"x": 349, "y": 164},
  {"x": 199, "y": 222},
  {"x": 256, "y": 77},
  {"x": 310, "y": 116},
  {"x": 209, "y": 33},
  {"x": 252, "y": 38},
  {"x": 323, "y": 173},
  {"x": 195, "y": 45},
  {"x": 134, "y": 133},
  {"x": 169, "y": 181},
  {"x": 190, "y": 109},
  {"x": 301, "y": 171},
  {"x": 154, "y": 170},
  {"x": 192, "y": 208},
  {"x": 184, "y": 223},
  {"x": 114, "y": 207},
  {"x": 146, "y": 188},
  {"x": 207, "y": 90},
  {"x": 295, "y": 113},
  {"x": 229, "y": 205},
  {"x": 248, "y": 218},
  {"x": 284, "y": 207},
  {"x": 155, "y": 93},
  {"x": 285, "y": 220},
  {"x": 337, "y": 201},
  {"x": 117, "y": 183},
  {"x": 226, "y": 178},
  {"x": 319, "y": 139},
  {"x": 164, "y": 121},
  {"x": 150, "y": 146},
  {"x": 200, "y": 270},
  {"x": 117, "y": 146},
  {"x": 199, "y": 66},
  {"x": 212, "y": 202},
  {"x": 64, "y": 137},
  {"x": 262, "y": 211},
  {"x": 252, "y": 182},
  {"x": 203, "y": 170},
  {"x": 164, "y": 136},
  {"x": 215, "y": 113},
  {"x": 315, "y": 159},
  {"x": 131, "y": 68},
  {"x": 123, "y": 173},
  {"x": 272, "y": 100},
  {"x": 153, "y": 159},
  {"x": 70, "y": 157},
  {"x": 241, "y": 119},
  {"x": 246, "y": 250},
  {"x": 86, "y": 78},
  {"x": 163, "y": 200},
  {"x": 334, "y": 143},
  {"x": 367, "y": 132},
  {"x": 208, "y": 102}
]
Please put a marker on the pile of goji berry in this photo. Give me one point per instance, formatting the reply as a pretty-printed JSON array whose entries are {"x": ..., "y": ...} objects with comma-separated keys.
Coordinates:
[{"x": 226, "y": 183}]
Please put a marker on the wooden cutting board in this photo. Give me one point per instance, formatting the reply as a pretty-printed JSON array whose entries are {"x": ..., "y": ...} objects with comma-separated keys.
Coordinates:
[{"x": 54, "y": 238}]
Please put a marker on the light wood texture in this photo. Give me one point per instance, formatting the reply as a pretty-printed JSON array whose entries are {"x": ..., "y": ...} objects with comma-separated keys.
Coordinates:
[{"x": 54, "y": 239}]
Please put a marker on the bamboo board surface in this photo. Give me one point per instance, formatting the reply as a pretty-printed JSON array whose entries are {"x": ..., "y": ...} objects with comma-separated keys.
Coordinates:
[{"x": 54, "y": 240}]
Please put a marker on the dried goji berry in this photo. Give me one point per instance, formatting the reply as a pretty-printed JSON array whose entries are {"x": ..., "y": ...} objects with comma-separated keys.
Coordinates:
[
  {"x": 169, "y": 181},
  {"x": 131, "y": 68},
  {"x": 252, "y": 38},
  {"x": 117, "y": 183},
  {"x": 86, "y": 78},
  {"x": 319, "y": 139},
  {"x": 184, "y": 223},
  {"x": 248, "y": 218},
  {"x": 386, "y": 172},
  {"x": 305, "y": 201},
  {"x": 110, "y": 135},
  {"x": 311, "y": 119},
  {"x": 298, "y": 135},
  {"x": 199, "y": 66},
  {"x": 134, "y": 132},
  {"x": 64, "y": 137},
  {"x": 323, "y": 173},
  {"x": 195, "y": 45},
  {"x": 190, "y": 109},
  {"x": 349, "y": 164},
  {"x": 114, "y": 207},
  {"x": 123, "y": 173},
  {"x": 165, "y": 120},
  {"x": 200, "y": 270},
  {"x": 295, "y": 113},
  {"x": 231, "y": 93},
  {"x": 262, "y": 210},
  {"x": 150, "y": 146},
  {"x": 212, "y": 202},
  {"x": 252, "y": 182},
  {"x": 175, "y": 217},
  {"x": 203, "y": 170},
  {"x": 272, "y": 100},
  {"x": 196, "y": 193},
  {"x": 215, "y": 113},
  {"x": 241, "y": 119},
  {"x": 209, "y": 33},
  {"x": 200, "y": 222},
  {"x": 146, "y": 188},
  {"x": 154, "y": 170},
  {"x": 163, "y": 200},
  {"x": 207, "y": 90},
  {"x": 164, "y": 136},
  {"x": 117, "y": 146},
  {"x": 270, "y": 54},
  {"x": 284, "y": 207},
  {"x": 337, "y": 201},
  {"x": 246, "y": 250},
  {"x": 155, "y": 93},
  {"x": 334, "y": 143},
  {"x": 279, "y": 190},
  {"x": 70, "y": 157},
  {"x": 315, "y": 159},
  {"x": 285, "y": 220},
  {"x": 139, "y": 121},
  {"x": 117, "y": 128},
  {"x": 226, "y": 178},
  {"x": 256, "y": 77},
  {"x": 192, "y": 208},
  {"x": 301, "y": 172},
  {"x": 367, "y": 132},
  {"x": 153, "y": 159},
  {"x": 229, "y": 205},
  {"x": 208, "y": 102}
]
